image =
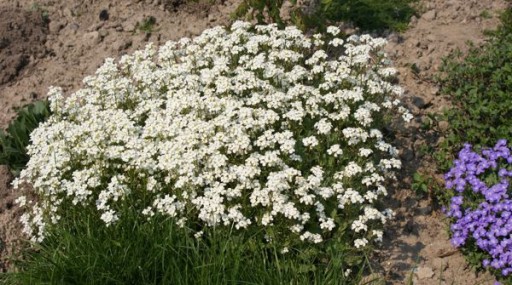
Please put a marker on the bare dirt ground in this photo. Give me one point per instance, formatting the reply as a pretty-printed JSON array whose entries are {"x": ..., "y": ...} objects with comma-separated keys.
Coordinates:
[{"x": 58, "y": 43}]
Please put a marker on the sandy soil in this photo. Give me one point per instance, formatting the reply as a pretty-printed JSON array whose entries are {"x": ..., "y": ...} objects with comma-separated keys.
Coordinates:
[{"x": 58, "y": 43}]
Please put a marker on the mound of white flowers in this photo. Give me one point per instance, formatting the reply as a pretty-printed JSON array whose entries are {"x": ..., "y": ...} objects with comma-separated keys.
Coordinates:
[{"x": 242, "y": 127}]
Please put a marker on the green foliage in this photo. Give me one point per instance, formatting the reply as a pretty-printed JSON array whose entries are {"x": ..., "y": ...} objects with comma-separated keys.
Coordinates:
[
  {"x": 368, "y": 15},
  {"x": 480, "y": 86},
  {"x": 147, "y": 25},
  {"x": 36, "y": 7},
  {"x": 14, "y": 141},
  {"x": 420, "y": 184},
  {"x": 479, "y": 83},
  {"x": 81, "y": 250}
]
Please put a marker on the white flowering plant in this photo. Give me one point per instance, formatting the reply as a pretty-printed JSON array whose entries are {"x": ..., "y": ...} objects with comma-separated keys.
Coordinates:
[{"x": 249, "y": 128}]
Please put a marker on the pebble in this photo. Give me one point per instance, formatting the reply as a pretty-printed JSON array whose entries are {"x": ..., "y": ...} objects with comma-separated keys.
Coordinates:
[
  {"x": 103, "y": 33},
  {"x": 104, "y": 15},
  {"x": 130, "y": 25},
  {"x": 419, "y": 102},
  {"x": 92, "y": 38},
  {"x": 55, "y": 27},
  {"x": 424, "y": 272},
  {"x": 430, "y": 15},
  {"x": 121, "y": 45},
  {"x": 443, "y": 126}
]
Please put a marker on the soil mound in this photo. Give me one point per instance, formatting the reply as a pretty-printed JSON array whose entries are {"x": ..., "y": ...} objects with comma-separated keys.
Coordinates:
[{"x": 22, "y": 39}]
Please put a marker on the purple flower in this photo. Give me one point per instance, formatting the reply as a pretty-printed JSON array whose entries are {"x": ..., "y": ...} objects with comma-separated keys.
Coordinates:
[{"x": 482, "y": 213}]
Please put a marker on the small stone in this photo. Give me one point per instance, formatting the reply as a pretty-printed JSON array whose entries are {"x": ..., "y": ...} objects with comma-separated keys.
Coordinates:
[
  {"x": 103, "y": 33},
  {"x": 443, "y": 126},
  {"x": 104, "y": 15},
  {"x": 68, "y": 13},
  {"x": 431, "y": 48},
  {"x": 130, "y": 25},
  {"x": 430, "y": 15},
  {"x": 373, "y": 279},
  {"x": 424, "y": 272},
  {"x": 92, "y": 38},
  {"x": 122, "y": 45},
  {"x": 419, "y": 102},
  {"x": 55, "y": 27},
  {"x": 395, "y": 38},
  {"x": 74, "y": 27},
  {"x": 95, "y": 27},
  {"x": 408, "y": 155},
  {"x": 414, "y": 20}
]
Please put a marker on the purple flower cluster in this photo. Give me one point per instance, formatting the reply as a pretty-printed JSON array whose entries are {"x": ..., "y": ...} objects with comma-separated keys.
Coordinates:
[{"x": 483, "y": 212}]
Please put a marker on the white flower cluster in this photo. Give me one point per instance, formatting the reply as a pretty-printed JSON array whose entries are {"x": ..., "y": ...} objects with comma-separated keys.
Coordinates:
[{"x": 244, "y": 127}]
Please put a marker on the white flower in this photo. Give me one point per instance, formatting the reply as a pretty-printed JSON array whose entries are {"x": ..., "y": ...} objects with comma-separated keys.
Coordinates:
[
  {"x": 323, "y": 126},
  {"x": 310, "y": 141},
  {"x": 335, "y": 150},
  {"x": 333, "y": 30},
  {"x": 235, "y": 122},
  {"x": 21, "y": 201},
  {"x": 361, "y": 242},
  {"x": 109, "y": 217}
]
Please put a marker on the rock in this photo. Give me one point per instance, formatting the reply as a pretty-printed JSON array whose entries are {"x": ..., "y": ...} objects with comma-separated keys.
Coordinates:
[
  {"x": 130, "y": 25},
  {"x": 74, "y": 27},
  {"x": 414, "y": 20},
  {"x": 95, "y": 27},
  {"x": 431, "y": 48},
  {"x": 92, "y": 38},
  {"x": 430, "y": 15},
  {"x": 407, "y": 155},
  {"x": 443, "y": 126},
  {"x": 104, "y": 15},
  {"x": 121, "y": 45},
  {"x": 373, "y": 279},
  {"x": 419, "y": 102},
  {"x": 395, "y": 38},
  {"x": 424, "y": 272},
  {"x": 68, "y": 13},
  {"x": 54, "y": 27},
  {"x": 103, "y": 33}
]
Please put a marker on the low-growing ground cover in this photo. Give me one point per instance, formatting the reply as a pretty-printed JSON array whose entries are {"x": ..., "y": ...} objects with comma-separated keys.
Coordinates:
[
  {"x": 478, "y": 203},
  {"x": 479, "y": 84},
  {"x": 248, "y": 145},
  {"x": 368, "y": 15}
]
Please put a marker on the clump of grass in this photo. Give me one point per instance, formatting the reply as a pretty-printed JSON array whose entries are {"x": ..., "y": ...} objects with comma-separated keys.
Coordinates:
[
  {"x": 147, "y": 25},
  {"x": 368, "y": 15},
  {"x": 14, "y": 141},
  {"x": 81, "y": 250}
]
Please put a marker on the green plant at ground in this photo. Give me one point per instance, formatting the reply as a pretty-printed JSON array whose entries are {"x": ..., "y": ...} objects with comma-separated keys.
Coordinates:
[
  {"x": 486, "y": 14},
  {"x": 81, "y": 250},
  {"x": 147, "y": 25},
  {"x": 480, "y": 86},
  {"x": 420, "y": 184},
  {"x": 368, "y": 15},
  {"x": 14, "y": 141},
  {"x": 36, "y": 7}
]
